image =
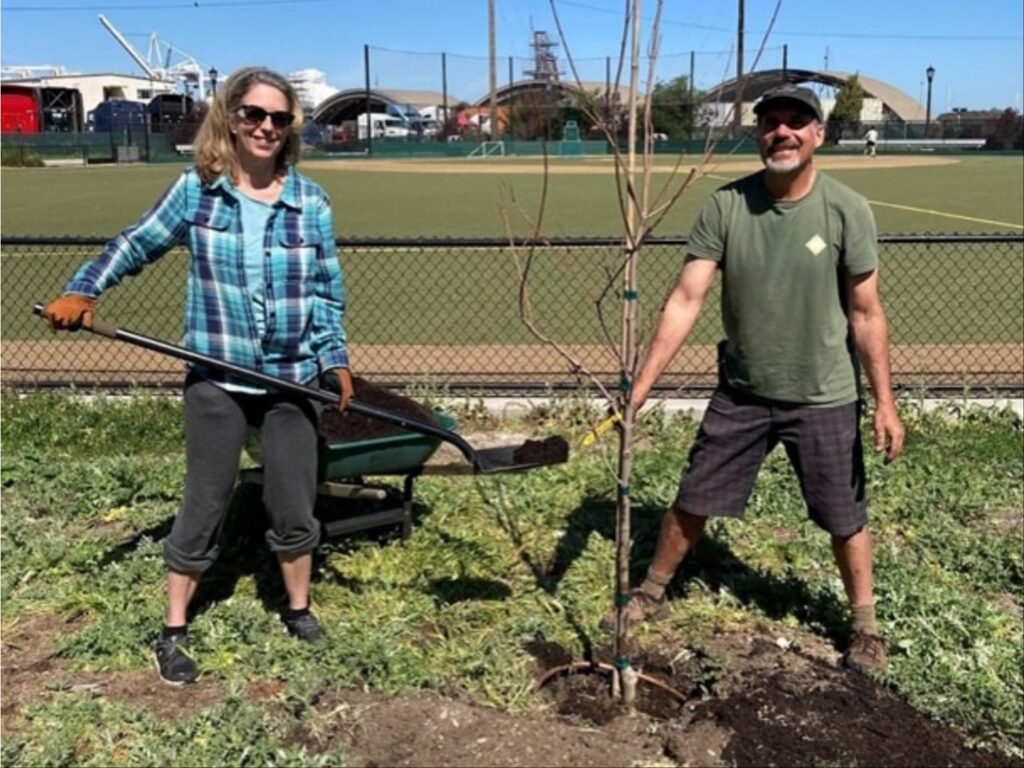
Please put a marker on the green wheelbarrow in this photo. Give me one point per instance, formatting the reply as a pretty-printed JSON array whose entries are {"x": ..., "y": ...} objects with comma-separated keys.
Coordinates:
[{"x": 343, "y": 465}]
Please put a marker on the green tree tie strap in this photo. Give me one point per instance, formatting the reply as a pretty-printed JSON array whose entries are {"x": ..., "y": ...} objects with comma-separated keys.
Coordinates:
[
  {"x": 623, "y": 598},
  {"x": 623, "y": 489},
  {"x": 622, "y": 662},
  {"x": 625, "y": 385},
  {"x": 630, "y": 295}
]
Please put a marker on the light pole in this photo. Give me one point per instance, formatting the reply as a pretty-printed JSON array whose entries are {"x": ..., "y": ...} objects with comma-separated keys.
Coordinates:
[
  {"x": 930, "y": 72},
  {"x": 213, "y": 80}
]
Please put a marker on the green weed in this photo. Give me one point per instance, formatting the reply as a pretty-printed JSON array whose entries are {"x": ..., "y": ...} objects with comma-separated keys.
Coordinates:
[{"x": 492, "y": 564}]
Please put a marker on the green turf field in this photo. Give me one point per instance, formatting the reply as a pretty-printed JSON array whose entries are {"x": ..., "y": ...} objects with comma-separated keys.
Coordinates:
[
  {"x": 933, "y": 297},
  {"x": 973, "y": 194},
  {"x": 468, "y": 296}
]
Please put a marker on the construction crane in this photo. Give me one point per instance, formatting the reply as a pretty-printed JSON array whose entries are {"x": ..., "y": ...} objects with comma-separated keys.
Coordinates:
[{"x": 157, "y": 64}]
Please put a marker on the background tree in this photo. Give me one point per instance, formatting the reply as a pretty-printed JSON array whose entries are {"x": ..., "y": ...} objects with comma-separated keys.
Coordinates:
[
  {"x": 541, "y": 115},
  {"x": 1005, "y": 131},
  {"x": 844, "y": 120},
  {"x": 674, "y": 110}
]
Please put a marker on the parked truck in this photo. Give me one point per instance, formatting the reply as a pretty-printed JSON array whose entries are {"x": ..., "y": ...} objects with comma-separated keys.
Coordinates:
[
  {"x": 384, "y": 126},
  {"x": 118, "y": 116},
  {"x": 20, "y": 109}
]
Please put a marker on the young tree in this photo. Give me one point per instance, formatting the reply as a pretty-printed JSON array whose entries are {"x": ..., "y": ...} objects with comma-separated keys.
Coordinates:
[{"x": 642, "y": 205}]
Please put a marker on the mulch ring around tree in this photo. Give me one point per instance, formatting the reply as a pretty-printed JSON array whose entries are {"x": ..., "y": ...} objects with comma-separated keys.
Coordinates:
[{"x": 758, "y": 702}]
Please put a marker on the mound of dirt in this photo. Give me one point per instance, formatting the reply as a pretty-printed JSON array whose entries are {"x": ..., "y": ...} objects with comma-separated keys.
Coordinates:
[
  {"x": 755, "y": 702},
  {"x": 552, "y": 450},
  {"x": 348, "y": 427}
]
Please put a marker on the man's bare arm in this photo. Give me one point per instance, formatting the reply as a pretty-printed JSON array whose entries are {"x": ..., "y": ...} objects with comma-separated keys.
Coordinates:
[
  {"x": 870, "y": 331},
  {"x": 676, "y": 321}
]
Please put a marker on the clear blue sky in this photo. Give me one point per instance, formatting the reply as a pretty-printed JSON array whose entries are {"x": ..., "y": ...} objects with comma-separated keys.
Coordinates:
[{"x": 976, "y": 46}]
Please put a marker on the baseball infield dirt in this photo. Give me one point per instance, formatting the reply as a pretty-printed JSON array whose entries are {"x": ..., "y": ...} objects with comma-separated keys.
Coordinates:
[
  {"x": 96, "y": 362},
  {"x": 605, "y": 165}
]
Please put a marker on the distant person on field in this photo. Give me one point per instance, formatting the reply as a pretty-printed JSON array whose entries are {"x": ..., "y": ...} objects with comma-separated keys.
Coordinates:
[
  {"x": 264, "y": 292},
  {"x": 800, "y": 303},
  {"x": 870, "y": 142}
]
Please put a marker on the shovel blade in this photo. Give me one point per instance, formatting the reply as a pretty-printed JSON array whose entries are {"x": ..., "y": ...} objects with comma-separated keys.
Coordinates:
[{"x": 532, "y": 454}]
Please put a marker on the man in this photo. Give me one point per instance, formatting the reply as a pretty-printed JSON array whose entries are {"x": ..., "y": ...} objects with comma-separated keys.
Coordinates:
[
  {"x": 798, "y": 257},
  {"x": 870, "y": 142}
]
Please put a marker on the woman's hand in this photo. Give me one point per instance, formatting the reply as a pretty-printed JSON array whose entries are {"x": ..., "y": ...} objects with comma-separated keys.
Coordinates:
[
  {"x": 339, "y": 380},
  {"x": 69, "y": 313}
]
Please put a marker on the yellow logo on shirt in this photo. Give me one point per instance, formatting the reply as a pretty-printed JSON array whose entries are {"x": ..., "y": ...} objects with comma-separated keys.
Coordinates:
[{"x": 816, "y": 245}]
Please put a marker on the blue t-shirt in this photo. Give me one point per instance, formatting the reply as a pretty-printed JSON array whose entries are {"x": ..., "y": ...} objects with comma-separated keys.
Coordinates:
[{"x": 255, "y": 215}]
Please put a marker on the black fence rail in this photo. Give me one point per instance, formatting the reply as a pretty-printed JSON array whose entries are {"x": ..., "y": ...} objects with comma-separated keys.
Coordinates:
[{"x": 444, "y": 315}]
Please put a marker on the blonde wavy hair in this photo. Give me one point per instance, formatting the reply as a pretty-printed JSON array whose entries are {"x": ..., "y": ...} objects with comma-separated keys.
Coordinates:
[{"x": 215, "y": 146}]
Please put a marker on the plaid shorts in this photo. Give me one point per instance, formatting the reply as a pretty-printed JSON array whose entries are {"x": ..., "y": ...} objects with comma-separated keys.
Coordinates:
[{"x": 823, "y": 445}]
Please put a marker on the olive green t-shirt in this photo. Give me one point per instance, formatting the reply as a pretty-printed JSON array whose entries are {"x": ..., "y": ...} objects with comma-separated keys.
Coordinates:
[{"x": 784, "y": 267}]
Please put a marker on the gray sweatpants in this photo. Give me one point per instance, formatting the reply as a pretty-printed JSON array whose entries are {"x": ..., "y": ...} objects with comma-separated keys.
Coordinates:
[{"x": 215, "y": 429}]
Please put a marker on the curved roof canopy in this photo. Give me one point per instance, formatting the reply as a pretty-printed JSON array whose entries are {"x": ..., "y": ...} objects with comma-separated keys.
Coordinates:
[
  {"x": 350, "y": 103},
  {"x": 896, "y": 104},
  {"x": 524, "y": 89}
]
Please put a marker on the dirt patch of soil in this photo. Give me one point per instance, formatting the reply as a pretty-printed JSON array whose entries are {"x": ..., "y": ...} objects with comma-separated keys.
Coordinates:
[
  {"x": 605, "y": 166},
  {"x": 751, "y": 700},
  {"x": 32, "y": 672},
  {"x": 96, "y": 362}
]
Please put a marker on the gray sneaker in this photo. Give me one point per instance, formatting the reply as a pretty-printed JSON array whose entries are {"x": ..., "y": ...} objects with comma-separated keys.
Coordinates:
[
  {"x": 173, "y": 662},
  {"x": 305, "y": 627}
]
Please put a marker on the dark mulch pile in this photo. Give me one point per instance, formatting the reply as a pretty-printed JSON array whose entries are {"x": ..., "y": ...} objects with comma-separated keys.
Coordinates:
[
  {"x": 770, "y": 708},
  {"x": 552, "y": 450},
  {"x": 347, "y": 427},
  {"x": 851, "y": 721}
]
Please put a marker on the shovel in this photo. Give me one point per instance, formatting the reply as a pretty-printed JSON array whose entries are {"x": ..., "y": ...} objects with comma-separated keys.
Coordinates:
[{"x": 482, "y": 462}]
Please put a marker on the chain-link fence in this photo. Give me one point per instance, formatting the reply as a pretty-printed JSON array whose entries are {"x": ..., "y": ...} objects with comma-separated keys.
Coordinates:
[
  {"x": 446, "y": 314},
  {"x": 87, "y": 147}
]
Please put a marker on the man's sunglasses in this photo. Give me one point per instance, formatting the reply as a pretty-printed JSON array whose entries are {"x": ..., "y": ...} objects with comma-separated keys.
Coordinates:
[{"x": 252, "y": 115}]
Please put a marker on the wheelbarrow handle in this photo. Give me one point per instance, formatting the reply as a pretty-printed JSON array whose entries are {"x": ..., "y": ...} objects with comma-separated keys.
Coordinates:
[{"x": 355, "y": 405}]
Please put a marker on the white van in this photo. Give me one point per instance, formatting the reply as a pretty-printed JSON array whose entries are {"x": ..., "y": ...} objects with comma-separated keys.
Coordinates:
[{"x": 384, "y": 126}]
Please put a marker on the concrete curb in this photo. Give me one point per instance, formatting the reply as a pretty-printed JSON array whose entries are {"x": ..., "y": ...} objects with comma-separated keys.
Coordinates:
[{"x": 513, "y": 408}]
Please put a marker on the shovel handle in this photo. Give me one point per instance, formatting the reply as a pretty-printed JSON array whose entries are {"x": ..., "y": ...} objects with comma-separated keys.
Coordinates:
[{"x": 111, "y": 331}]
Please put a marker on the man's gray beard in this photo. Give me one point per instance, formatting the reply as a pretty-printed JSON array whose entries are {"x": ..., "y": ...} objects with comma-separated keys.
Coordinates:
[{"x": 779, "y": 166}]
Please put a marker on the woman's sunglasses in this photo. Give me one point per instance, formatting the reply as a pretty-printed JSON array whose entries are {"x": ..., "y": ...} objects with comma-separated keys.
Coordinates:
[{"x": 252, "y": 115}]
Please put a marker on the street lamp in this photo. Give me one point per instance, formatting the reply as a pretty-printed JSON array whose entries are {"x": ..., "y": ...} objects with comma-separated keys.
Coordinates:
[
  {"x": 930, "y": 72},
  {"x": 213, "y": 80}
]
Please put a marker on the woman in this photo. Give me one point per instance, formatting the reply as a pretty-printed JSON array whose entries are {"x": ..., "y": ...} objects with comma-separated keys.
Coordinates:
[{"x": 265, "y": 292}]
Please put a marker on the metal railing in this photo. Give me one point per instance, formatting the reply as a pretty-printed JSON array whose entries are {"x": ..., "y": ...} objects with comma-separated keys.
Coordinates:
[{"x": 444, "y": 314}]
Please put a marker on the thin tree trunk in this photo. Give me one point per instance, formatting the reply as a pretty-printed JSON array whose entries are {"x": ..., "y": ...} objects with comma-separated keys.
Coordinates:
[{"x": 627, "y": 674}]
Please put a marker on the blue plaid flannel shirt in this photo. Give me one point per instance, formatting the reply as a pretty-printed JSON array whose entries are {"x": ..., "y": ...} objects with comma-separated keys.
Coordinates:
[{"x": 304, "y": 291}]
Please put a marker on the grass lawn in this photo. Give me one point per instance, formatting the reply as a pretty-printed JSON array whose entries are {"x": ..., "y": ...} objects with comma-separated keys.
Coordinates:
[
  {"x": 103, "y": 200},
  {"x": 940, "y": 294},
  {"x": 492, "y": 565}
]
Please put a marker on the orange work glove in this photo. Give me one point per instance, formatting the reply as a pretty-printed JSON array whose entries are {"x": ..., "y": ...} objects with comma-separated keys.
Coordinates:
[
  {"x": 69, "y": 313},
  {"x": 339, "y": 380}
]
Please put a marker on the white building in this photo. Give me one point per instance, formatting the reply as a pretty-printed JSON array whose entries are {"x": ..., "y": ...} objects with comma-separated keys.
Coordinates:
[
  {"x": 102, "y": 87},
  {"x": 312, "y": 87}
]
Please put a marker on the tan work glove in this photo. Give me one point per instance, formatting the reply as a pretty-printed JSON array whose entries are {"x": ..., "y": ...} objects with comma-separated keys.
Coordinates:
[
  {"x": 69, "y": 313},
  {"x": 339, "y": 380}
]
